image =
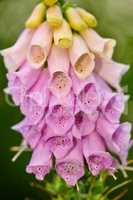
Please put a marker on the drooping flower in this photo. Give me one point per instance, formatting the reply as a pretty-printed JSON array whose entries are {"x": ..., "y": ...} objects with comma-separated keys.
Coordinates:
[
  {"x": 82, "y": 59},
  {"x": 97, "y": 44},
  {"x": 19, "y": 84},
  {"x": 15, "y": 56},
  {"x": 71, "y": 168},
  {"x": 98, "y": 159},
  {"x": 41, "y": 161},
  {"x": 37, "y": 99},
  {"x": 61, "y": 114},
  {"x": 59, "y": 70},
  {"x": 38, "y": 49},
  {"x": 30, "y": 133},
  {"x": 110, "y": 71}
]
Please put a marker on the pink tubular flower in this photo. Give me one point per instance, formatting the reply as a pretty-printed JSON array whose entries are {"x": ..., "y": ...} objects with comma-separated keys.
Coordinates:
[
  {"x": 87, "y": 93},
  {"x": 71, "y": 168},
  {"x": 31, "y": 133},
  {"x": 41, "y": 161},
  {"x": 40, "y": 46},
  {"x": 96, "y": 156},
  {"x": 61, "y": 145},
  {"x": 21, "y": 81},
  {"x": 117, "y": 137},
  {"x": 16, "y": 55},
  {"x": 110, "y": 71},
  {"x": 36, "y": 101},
  {"x": 122, "y": 137},
  {"x": 61, "y": 114},
  {"x": 58, "y": 64},
  {"x": 84, "y": 124},
  {"x": 81, "y": 59},
  {"x": 97, "y": 44},
  {"x": 113, "y": 106}
]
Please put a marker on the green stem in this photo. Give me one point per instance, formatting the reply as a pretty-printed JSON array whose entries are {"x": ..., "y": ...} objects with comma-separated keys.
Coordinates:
[{"x": 62, "y": 2}]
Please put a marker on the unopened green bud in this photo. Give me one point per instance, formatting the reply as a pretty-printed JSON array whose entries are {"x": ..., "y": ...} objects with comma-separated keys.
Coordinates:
[
  {"x": 37, "y": 16},
  {"x": 89, "y": 19},
  {"x": 76, "y": 22},
  {"x": 54, "y": 16},
  {"x": 50, "y": 2}
]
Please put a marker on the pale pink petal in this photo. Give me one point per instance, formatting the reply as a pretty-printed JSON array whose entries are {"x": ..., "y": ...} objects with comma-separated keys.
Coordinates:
[
  {"x": 97, "y": 44},
  {"x": 81, "y": 59},
  {"x": 58, "y": 64},
  {"x": 40, "y": 46},
  {"x": 110, "y": 71},
  {"x": 41, "y": 161},
  {"x": 15, "y": 56},
  {"x": 96, "y": 156},
  {"x": 36, "y": 101}
]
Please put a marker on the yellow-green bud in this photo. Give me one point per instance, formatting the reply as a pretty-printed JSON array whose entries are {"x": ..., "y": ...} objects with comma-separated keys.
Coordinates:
[
  {"x": 54, "y": 16},
  {"x": 63, "y": 35},
  {"x": 89, "y": 19},
  {"x": 50, "y": 2},
  {"x": 76, "y": 22},
  {"x": 36, "y": 17}
]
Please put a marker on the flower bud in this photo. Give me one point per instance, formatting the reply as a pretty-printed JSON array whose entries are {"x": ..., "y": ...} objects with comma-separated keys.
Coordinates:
[
  {"x": 89, "y": 19},
  {"x": 50, "y": 2},
  {"x": 37, "y": 16},
  {"x": 81, "y": 59},
  {"x": 54, "y": 16},
  {"x": 76, "y": 22},
  {"x": 63, "y": 35}
]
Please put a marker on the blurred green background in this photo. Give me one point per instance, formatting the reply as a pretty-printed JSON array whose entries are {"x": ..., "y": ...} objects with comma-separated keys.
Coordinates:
[{"x": 115, "y": 19}]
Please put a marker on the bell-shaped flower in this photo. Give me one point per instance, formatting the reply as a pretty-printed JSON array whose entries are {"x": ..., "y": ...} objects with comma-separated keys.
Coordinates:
[
  {"x": 87, "y": 93},
  {"x": 71, "y": 168},
  {"x": 97, "y": 44},
  {"x": 41, "y": 161},
  {"x": 36, "y": 100},
  {"x": 81, "y": 58},
  {"x": 58, "y": 65},
  {"x": 31, "y": 133},
  {"x": 21, "y": 81},
  {"x": 61, "y": 114},
  {"x": 98, "y": 159},
  {"x": 40, "y": 46},
  {"x": 112, "y": 106},
  {"x": 110, "y": 71},
  {"x": 61, "y": 145},
  {"x": 84, "y": 124},
  {"x": 15, "y": 56},
  {"x": 122, "y": 138}
]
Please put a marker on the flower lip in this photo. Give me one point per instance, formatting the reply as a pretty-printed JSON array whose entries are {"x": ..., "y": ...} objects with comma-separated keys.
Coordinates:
[{"x": 100, "y": 161}]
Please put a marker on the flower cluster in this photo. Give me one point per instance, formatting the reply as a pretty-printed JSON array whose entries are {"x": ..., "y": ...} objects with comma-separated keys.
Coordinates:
[{"x": 61, "y": 74}]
